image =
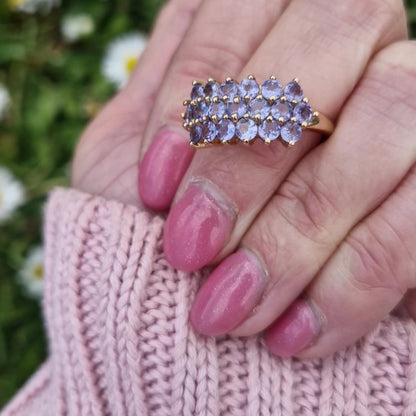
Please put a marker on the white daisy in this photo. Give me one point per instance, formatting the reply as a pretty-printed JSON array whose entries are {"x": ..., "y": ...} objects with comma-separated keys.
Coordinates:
[
  {"x": 4, "y": 101},
  {"x": 12, "y": 194},
  {"x": 33, "y": 6},
  {"x": 122, "y": 56},
  {"x": 32, "y": 273},
  {"x": 76, "y": 26}
]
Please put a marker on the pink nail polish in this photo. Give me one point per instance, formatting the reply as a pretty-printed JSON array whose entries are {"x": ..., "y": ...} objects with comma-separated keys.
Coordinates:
[
  {"x": 197, "y": 227},
  {"x": 162, "y": 168},
  {"x": 293, "y": 331},
  {"x": 229, "y": 295}
]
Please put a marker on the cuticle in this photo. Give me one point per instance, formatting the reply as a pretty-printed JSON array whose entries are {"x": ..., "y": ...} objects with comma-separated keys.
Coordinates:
[
  {"x": 218, "y": 194},
  {"x": 319, "y": 317},
  {"x": 319, "y": 324},
  {"x": 258, "y": 259}
]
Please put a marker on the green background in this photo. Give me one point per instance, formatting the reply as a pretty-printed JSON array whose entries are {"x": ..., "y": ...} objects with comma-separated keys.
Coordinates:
[{"x": 55, "y": 90}]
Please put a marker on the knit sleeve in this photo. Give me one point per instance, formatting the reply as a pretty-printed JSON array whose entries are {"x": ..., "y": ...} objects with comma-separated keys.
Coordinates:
[{"x": 120, "y": 342}]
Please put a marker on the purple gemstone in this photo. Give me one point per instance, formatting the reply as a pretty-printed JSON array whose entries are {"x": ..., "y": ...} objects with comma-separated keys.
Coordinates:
[
  {"x": 229, "y": 88},
  {"x": 196, "y": 134},
  {"x": 201, "y": 110},
  {"x": 189, "y": 113},
  {"x": 239, "y": 109},
  {"x": 217, "y": 108},
  {"x": 249, "y": 87},
  {"x": 269, "y": 130},
  {"x": 225, "y": 130},
  {"x": 246, "y": 129},
  {"x": 197, "y": 92},
  {"x": 281, "y": 109},
  {"x": 259, "y": 106},
  {"x": 303, "y": 112},
  {"x": 209, "y": 131},
  {"x": 291, "y": 132},
  {"x": 212, "y": 89},
  {"x": 271, "y": 88},
  {"x": 293, "y": 91}
]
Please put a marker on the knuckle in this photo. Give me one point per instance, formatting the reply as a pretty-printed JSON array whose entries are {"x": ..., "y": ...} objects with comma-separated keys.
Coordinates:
[
  {"x": 376, "y": 260},
  {"x": 377, "y": 13},
  {"x": 208, "y": 58},
  {"x": 308, "y": 205},
  {"x": 397, "y": 64},
  {"x": 263, "y": 238},
  {"x": 382, "y": 18},
  {"x": 270, "y": 246}
]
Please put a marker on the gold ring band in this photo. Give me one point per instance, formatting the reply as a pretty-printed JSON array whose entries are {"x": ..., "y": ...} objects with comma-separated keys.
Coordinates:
[{"x": 232, "y": 112}]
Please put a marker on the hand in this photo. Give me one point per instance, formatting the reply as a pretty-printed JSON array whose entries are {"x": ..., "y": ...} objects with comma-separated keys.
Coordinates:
[
  {"x": 292, "y": 229},
  {"x": 322, "y": 232}
]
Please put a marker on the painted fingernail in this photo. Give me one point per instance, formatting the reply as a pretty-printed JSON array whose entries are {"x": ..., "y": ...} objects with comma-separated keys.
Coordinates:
[
  {"x": 292, "y": 332},
  {"x": 162, "y": 168},
  {"x": 197, "y": 227},
  {"x": 229, "y": 295}
]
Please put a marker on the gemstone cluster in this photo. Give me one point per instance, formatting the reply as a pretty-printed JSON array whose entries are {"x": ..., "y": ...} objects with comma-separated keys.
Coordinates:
[{"x": 231, "y": 112}]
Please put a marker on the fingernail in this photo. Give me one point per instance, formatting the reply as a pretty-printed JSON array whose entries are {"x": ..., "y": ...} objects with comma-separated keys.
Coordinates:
[
  {"x": 197, "y": 227},
  {"x": 229, "y": 295},
  {"x": 162, "y": 168},
  {"x": 295, "y": 330}
]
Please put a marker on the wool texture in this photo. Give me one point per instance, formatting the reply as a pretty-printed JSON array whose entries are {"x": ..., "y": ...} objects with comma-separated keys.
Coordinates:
[{"x": 120, "y": 342}]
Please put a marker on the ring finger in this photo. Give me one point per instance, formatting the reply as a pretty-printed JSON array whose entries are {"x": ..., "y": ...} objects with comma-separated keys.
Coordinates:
[
  {"x": 328, "y": 48},
  {"x": 210, "y": 48}
]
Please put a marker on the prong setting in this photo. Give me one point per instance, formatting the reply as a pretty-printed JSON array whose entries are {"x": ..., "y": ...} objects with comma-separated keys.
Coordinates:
[{"x": 232, "y": 112}]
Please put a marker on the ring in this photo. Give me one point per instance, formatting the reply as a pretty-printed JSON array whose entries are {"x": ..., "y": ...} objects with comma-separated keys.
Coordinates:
[{"x": 232, "y": 112}]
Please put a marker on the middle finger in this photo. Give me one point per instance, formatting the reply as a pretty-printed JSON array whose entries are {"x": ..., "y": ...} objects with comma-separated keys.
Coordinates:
[{"x": 328, "y": 48}]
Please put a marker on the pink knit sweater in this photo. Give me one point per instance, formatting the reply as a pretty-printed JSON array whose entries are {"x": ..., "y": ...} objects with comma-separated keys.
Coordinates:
[{"x": 120, "y": 342}]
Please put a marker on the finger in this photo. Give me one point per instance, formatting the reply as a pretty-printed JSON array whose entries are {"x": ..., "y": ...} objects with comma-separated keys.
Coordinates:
[
  {"x": 320, "y": 202},
  {"x": 335, "y": 185},
  {"x": 363, "y": 281},
  {"x": 112, "y": 139},
  {"x": 212, "y": 48},
  {"x": 227, "y": 187}
]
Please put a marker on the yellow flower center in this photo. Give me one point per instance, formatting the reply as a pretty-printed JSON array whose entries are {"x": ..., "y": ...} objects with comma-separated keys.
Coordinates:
[
  {"x": 131, "y": 64},
  {"x": 38, "y": 272},
  {"x": 16, "y": 3}
]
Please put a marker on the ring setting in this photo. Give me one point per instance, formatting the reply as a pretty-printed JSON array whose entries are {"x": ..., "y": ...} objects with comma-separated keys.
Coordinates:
[{"x": 231, "y": 113}]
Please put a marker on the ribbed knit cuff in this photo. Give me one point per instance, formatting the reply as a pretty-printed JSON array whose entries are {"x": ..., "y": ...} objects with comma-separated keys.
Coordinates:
[{"x": 121, "y": 344}]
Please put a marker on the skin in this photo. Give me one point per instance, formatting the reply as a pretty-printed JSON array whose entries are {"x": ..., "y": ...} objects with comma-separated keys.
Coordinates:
[{"x": 331, "y": 224}]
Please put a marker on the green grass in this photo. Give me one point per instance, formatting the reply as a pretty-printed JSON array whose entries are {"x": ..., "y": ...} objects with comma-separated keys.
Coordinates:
[{"x": 54, "y": 89}]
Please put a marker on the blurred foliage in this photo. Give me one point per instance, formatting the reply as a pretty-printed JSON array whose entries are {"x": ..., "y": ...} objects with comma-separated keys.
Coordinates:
[
  {"x": 411, "y": 15},
  {"x": 55, "y": 90}
]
